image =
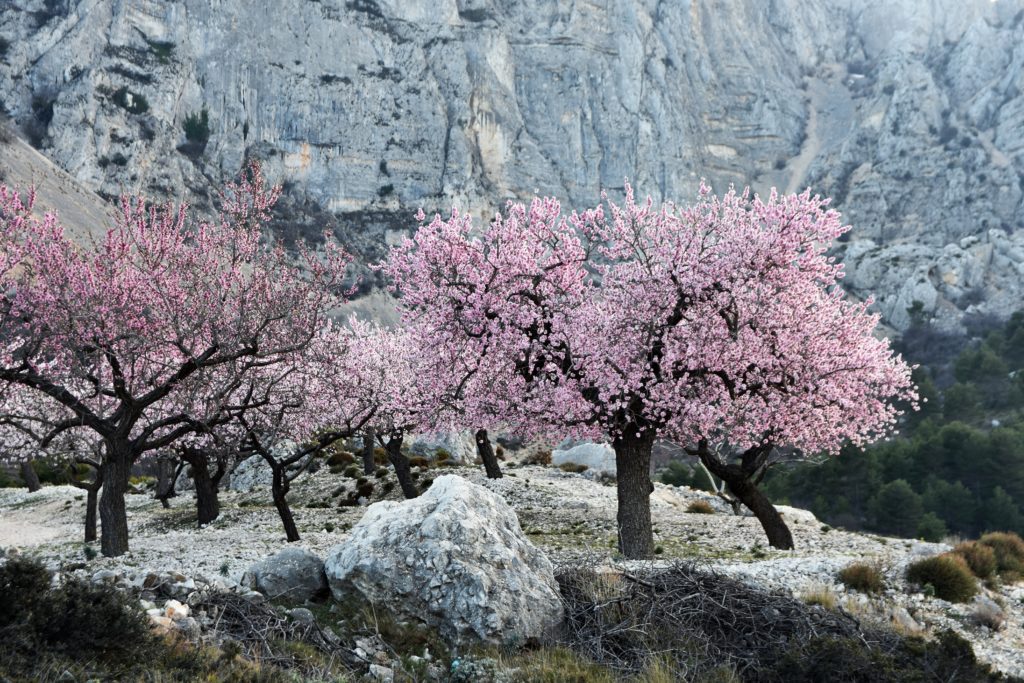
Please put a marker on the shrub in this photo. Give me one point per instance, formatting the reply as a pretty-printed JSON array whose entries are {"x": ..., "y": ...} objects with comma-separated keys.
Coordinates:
[
  {"x": 1009, "y": 551},
  {"x": 538, "y": 458},
  {"x": 676, "y": 474},
  {"x": 820, "y": 595},
  {"x": 365, "y": 490},
  {"x": 7, "y": 481},
  {"x": 980, "y": 558},
  {"x": 77, "y": 620},
  {"x": 988, "y": 615},
  {"x": 341, "y": 458},
  {"x": 380, "y": 456},
  {"x": 380, "y": 473},
  {"x": 700, "y": 507},
  {"x": 948, "y": 574},
  {"x": 862, "y": 577},
  {"x": 572, "y": 467},
  {"x": 352, "y": 471},
  {"x": 197, "y": 127},
  {"x": 931, "y": 528},
  {"x": 418, "y": 461}
]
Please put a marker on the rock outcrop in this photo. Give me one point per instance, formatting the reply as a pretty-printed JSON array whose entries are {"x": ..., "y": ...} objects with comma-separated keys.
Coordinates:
[
  {"x": 294, "y": 574},
  {"x": 455, "y": 558},
  {"x": 598, "y": 458},
  {"x": 909, "y": 114}
]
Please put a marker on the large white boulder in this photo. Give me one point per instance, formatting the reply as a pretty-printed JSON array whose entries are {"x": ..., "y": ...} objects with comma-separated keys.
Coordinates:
[
  {"x": 455, "y": 558},
  {"x": 598, "y": 457},
  {"x": 294, "y": 574}
]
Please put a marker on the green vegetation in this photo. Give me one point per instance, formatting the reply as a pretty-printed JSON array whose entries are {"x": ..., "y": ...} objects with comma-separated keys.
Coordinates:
[
  {"x": 162, "y": 50},
  {"x": 1009, "y": 553},
  {"x": 862, "y": 577},
  {"x": 957, "y": 467},
  {"x": 979, "y": 557},
  {"x": 947, "y": 574},
  {"x": 197, "y": 128}
]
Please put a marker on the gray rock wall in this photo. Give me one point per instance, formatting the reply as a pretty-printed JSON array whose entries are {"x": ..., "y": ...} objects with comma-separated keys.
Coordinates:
[{"x": 910, "y": 113}]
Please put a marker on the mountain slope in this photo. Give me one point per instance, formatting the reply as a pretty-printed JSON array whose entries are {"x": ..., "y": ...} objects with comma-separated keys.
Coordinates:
[{"x": 909, "y": 113}]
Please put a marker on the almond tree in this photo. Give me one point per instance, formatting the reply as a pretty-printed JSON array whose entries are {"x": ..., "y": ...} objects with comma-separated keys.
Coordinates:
[
  {"x": 112, "y": 330},
  {"x": 718, "y": 325}
]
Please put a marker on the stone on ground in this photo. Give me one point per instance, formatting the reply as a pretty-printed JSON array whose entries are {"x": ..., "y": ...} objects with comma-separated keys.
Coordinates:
[
  {"x": 455, "y": 558},
  {"x": 597, "y": 457},
  {"x": 293, "y": 574}
]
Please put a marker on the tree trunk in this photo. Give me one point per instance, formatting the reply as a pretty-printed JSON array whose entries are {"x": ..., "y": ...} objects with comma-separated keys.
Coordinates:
[
  {"x": 113, "y": 517},
  {"x": 739, "y": 483},
  {"x": 279, "y": 489},
  {"x": 633, "y": 467},
  {"x": 31, "y": 479},
  {"x": 747, "y": 492},
  {"x": 91, "y": 495},
  {"x": 486, "y": 452},
  {"x": 207, "y": 505},
  {"x": 167, "y": 469},
  {"x": 369, "y": 437},
  {"x": 401, "y": 465}
]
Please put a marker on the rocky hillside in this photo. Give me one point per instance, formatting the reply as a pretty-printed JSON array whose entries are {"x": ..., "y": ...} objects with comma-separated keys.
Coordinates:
[
  {"x": 569, "y": 517},
  {"x": 909, "y": 113}
]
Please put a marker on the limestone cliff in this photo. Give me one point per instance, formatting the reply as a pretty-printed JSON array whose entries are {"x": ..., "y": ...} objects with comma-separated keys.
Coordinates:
[{"x": 909, "y": 112}]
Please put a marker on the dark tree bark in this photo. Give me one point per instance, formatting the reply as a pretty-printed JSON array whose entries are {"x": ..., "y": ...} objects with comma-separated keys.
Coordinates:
[
  {"x": 741, "y": 480},
  {"x": 113, "y": 517},
  {"x": 166, "y": 479},
  {"x": 369, "y": 441},
  {"x": 393, "y": 447},
  {"x": 779, "y": 535},
  {"x": 633, "y": 467},
  {"x": 29, "y": 476},
  {"x": 91, "y": 496},
  {"x": 486, "y": 452},
  {"x": 207, "y": 484},
  {"x": 279, "y": 490},
  {"x": 91, "y": 488}
]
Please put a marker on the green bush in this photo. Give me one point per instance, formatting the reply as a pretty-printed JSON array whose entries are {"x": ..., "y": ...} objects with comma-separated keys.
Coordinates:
[
  {"x": 573, "y": 467},
  {"x": 676, "y": 474},
  {"x": 77, "y": 620},
  {"x": 948, "y": 574},
  {"x": 862, "y": 577},
  {"x": 197, "y": 127},
  {"x": 1009, "y": 551},
  {"x": 931, "y": 528},
  {"x": 979, "y": 557},
  {"x": 352, "y": 471},
  {"x": 7, "y": 481}
]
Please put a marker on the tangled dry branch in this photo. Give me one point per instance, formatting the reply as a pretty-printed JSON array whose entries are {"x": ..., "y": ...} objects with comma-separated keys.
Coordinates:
[{"x": 693, "y": 619}]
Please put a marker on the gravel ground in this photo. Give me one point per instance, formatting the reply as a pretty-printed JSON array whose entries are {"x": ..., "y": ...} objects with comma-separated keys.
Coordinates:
[{"x": 568, "y": 515}]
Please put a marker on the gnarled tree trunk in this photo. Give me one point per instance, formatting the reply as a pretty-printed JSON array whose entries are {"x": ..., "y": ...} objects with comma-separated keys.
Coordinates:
[
  {"x": 740, "y": 480},
  {"x": 113, "y": 518},
  {"x": 369, "y": 437},
  {"x": 166, "y": 478},
  {"x": 486, "y": 452},
  {"x": 279, "y": 490},
  {"x": 393, "y": 447},
  {"x": 29, "y": 476},
  {"x": 633, "y": 467}
]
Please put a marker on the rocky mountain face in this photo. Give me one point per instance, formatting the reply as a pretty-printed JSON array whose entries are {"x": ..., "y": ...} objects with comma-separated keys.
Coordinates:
[{"x": 910, "y": 113}]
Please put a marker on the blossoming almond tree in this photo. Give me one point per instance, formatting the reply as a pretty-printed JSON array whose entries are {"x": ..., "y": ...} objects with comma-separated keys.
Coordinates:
[
  {"x": 111, "y": 331},
  {"x": 718, "y": 325}
]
